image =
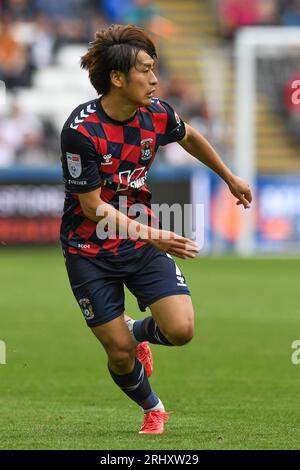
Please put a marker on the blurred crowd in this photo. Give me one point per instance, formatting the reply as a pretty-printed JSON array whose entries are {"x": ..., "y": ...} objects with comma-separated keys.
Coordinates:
[
  {"x": 234, "y": 14},
  {"x": 193, "y": 109},
  {"x": 32, "y": 32}
]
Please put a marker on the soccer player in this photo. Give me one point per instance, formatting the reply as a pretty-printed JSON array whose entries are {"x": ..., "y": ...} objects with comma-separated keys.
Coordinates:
[{"x": 108, "y": 146}]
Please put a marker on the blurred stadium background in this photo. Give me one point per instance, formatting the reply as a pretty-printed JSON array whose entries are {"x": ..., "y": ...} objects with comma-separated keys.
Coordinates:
[
  {"x": 237, "y": 85},
  {"x": 198, "y": 41}
]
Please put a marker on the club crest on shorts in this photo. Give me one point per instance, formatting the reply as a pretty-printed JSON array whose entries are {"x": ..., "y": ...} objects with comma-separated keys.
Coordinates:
[
  {"x": 87, "y": 309},
  {"x": 146, "y": 148},
  {"x": 74, "y": 164}
]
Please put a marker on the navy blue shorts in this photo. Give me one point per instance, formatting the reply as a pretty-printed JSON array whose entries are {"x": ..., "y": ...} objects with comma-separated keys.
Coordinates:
[{"x": 98, "y": 284}]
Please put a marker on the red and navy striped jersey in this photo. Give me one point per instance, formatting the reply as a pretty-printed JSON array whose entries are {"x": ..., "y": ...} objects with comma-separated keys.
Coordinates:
[{"x": 99, "y": 152}]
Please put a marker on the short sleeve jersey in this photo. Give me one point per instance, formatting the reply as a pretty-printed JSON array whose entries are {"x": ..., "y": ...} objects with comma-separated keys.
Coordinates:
[{"x": 116, "y": 156}]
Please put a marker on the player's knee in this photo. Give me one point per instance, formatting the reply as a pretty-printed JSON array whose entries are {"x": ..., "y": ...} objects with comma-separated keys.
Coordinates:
[
  {"x": 182, "y": 335},
  {"x": 121, "y": 358}
]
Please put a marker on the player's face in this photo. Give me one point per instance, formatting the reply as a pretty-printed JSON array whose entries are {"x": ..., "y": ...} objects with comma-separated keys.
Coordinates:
[{"x": 141, "y": 81}]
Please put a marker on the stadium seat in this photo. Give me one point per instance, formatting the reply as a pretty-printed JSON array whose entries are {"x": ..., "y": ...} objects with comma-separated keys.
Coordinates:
[{"x": 69, "y": 56}]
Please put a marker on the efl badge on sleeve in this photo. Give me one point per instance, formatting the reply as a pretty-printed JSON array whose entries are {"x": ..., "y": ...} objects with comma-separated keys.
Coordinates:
[
  {"x": 74, "y": 164},
  {"x": 146, "y": 148}
]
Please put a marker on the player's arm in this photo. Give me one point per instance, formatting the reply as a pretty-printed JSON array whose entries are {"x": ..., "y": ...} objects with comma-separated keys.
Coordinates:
[
  {"x": 94, "y": 208},
  {"x": 197, "y": 146},
  {"x": 80, "y": 162}
]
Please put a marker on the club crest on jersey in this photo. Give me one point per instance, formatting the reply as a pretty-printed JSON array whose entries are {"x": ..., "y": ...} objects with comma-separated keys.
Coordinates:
[
  {"x": 74, "y": 164},
  {"x": 146, "y": 149},
  {"x": 86, "y": 309}
]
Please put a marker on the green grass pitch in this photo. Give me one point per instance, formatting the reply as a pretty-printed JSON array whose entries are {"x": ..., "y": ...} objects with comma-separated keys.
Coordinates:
[{"x": 233, "y": 387}]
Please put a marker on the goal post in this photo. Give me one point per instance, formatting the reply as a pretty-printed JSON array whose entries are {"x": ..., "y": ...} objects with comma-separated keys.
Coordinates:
[{"x": 251, "y": 43}]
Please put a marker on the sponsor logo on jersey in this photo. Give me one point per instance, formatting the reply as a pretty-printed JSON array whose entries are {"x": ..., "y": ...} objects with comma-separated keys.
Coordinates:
[
  {"x": 84, "y": 246},
  {"x": 87, "y": 309},
  {"x": 132, "y": 181},
  {"x": 146, "y": 149},
  {"x": 78, "y": 183},
  {"x": 74, "y": 164},
  {"x": 107, "y": 159}
]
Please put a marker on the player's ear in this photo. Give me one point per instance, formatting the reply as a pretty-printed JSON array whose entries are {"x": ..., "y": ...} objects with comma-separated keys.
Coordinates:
[{"x": 117, "y": 78}]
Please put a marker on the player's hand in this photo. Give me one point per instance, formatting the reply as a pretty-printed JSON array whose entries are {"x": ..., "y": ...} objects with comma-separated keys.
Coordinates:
[
  {"x": 170, "y": 242},
  {"x": 241, "y": 190}
]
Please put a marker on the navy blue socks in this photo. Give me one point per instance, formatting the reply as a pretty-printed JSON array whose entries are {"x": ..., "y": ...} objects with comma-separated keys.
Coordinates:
[
  {"x": 136, "y": 386},
  {"x": 147, "y": 330}
]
